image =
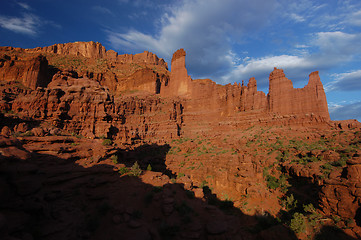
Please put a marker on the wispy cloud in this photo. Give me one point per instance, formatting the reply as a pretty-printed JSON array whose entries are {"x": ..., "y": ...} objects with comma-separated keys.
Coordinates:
[
  {"x": 355, "y": 18},
  {"x": 324, "y": 51},
  {"x": 349, "y": 81},
  {"x": 344, "y": 110},
  {"x": 261, "y": 67},
  {"x": 27, "y": 24},
  {"x": 201, "y": 27},
  {"x": 103, "y": 10},
  {"x": 297, "y": 18},
  {"x": 24, "y": 5}
]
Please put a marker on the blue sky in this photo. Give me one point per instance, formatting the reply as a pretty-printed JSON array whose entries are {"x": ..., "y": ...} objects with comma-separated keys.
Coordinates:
[{"x": 225, "y": 40}]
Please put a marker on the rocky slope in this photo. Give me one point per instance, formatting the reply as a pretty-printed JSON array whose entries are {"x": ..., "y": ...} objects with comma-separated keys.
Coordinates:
[{"x": 262, "y": 158}]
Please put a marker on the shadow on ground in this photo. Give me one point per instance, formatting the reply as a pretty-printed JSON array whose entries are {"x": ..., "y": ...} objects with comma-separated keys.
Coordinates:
[{"x": 47, "y": 197}]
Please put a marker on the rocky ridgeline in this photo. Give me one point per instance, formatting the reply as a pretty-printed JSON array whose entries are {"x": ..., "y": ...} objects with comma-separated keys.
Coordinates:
[
  {"x": 202, "y": 102},
  {"x": 97, "y": 51}
]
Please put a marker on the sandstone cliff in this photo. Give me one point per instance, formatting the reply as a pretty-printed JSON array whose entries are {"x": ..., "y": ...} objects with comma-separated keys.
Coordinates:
[
  {"x": 212, "y": 101},
  {"x": 284, "y": 99},
  {"x": 32, "y": 71}
]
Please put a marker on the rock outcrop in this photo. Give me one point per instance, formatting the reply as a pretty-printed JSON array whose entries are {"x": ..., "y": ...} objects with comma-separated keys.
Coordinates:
[
  {"x": 84, "y": 49},
  {"x": 32, "y": 72},
  {"x": 204, "y": 97},
  {"x": 95, "y": 50},
  {"x": 179, "y": 84},
  {"x": 284, "y": 99}
]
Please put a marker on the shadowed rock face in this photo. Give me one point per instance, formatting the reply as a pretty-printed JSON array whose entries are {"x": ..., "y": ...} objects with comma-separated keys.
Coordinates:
[{"x": 32, "y": 71}]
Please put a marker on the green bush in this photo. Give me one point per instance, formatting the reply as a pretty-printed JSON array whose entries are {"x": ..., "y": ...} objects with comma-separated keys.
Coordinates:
[
  {"x": 272, "y": 182},
  {"x": 290, "y": 203},
  {"x": 149, "y": 167},
  {"x": 298, "y": 223},
  {"x": 107, "y": 142},
  {"x": 135, "y": 170},
  {"x": 114, "y": 159},
  {"x": 204, "y": 183},
  {"x": 180, "y": 175},
  {"x": 309, "y": 208},
  {"x": 123, "y": 170}
]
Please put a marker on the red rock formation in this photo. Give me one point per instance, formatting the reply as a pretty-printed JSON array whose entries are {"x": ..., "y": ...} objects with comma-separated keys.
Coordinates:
[
  {"x": 32, "y": 72},
  {"x": 84, "y": 49},
  {"x": 36, "y": 75},
  {"x": 209, "y": 101},
  {"x": 179, "y": 83},
  {"x": 144, "y": 80},
  {"x": 285, "y": 100},
  {"x": 96, "y": 50}
]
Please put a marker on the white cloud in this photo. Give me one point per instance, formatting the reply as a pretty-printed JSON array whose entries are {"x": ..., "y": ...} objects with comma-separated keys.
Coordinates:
[
  {"x": 332, "y": 48},
  {"x": 343, "y": 111},
  {"x": 261, "y": 67},
  {"x": 355, "y": 18},
  {"x": 24, "y": 5},
  {"x": 203, "y": 28},
  {"x": 27, "y": 24},
  {"x": 297, "y": 18},
  {"x": 349, "y": 81},
  {"x": 338, "y": 42}
]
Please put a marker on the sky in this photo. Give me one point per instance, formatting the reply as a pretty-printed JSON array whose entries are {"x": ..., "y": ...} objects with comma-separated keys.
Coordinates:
[{"x": 226, "y": 40}]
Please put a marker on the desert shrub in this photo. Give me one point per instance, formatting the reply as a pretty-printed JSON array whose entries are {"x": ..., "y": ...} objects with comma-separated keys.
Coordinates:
[
  {"x": 309, "y": 208},
  {"x": 180, "y": 175},
  {"x": 341, "y": 162},
  {"x": 298, "y": 223},
  {"x": 204, "y": 183},
  {"x": 114, "y": 159},
  {"x": 149, "y": 167},
  {"x": 290, "y": 202},
  {"x": 326, "y": 169},
  {"x": 135, "y": 170},
  {"x": 272, "y": 182},
  {"x": 107, "y": 142},
  {"x": 336, "y": 218},
  {"x": 123, "y": 170}
]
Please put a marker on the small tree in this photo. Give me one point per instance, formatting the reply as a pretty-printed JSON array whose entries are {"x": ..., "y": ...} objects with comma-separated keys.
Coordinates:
[
  {"x": 107, "y": 142},
  {"x": 149, "y": 167},
  {"x": 135, "y": 170},
  {"x": 298, "y": 223},
  {"x": 114, "y": 159}
]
